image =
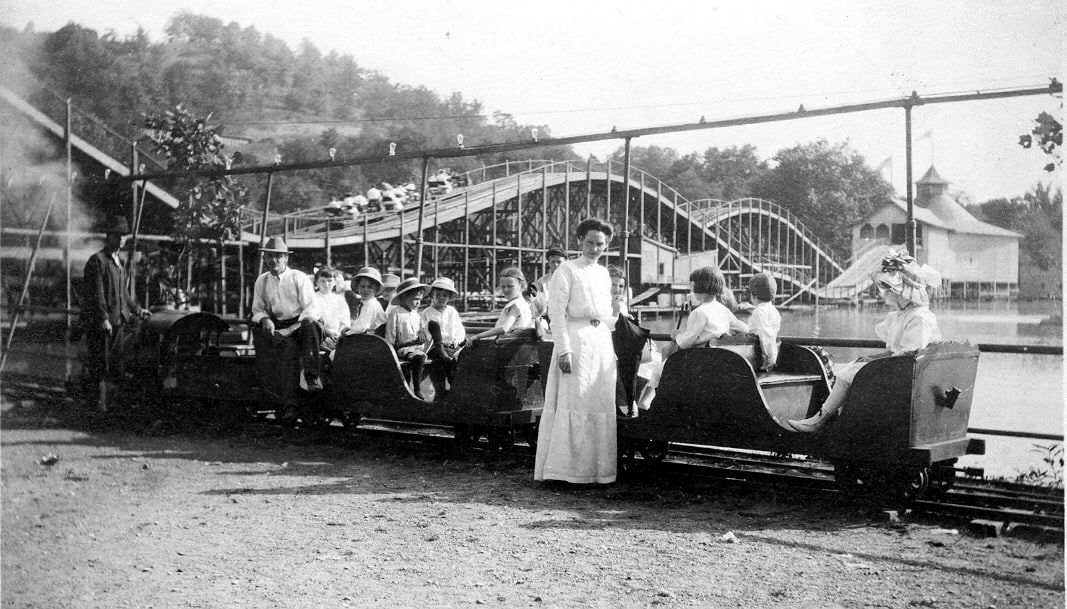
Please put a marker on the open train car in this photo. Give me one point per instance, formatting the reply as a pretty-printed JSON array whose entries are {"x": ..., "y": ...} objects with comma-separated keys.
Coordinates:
[
  {"x": 498, "y": 390},
  {"x": 199, "y": 357},
  {"x": 902, "y": 428}
]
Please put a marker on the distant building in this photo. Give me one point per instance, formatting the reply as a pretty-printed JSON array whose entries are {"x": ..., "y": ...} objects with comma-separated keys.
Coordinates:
[{"x": 975, "y": 259}]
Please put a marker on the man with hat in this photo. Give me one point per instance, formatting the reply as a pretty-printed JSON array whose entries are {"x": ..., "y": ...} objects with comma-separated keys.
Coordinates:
[
  {"x": 287, "y": 326},
  {"x": 107, "y": 308}
]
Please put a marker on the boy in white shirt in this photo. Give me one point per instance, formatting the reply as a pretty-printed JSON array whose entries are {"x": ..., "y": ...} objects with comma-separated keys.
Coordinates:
[
  {"x": 441, "y": 322},
  {"x": 765, "y": 322},
  {"x": 367, "y": 312}
]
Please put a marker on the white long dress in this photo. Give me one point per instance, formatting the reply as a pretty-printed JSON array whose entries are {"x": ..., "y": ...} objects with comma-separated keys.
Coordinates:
[{"x": 576, "y": 439}]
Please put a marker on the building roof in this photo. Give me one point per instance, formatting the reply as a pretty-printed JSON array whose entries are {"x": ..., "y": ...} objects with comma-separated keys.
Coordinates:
[
  {"x": 943, "y": 212},
  {"x": 932, "y": 177}
]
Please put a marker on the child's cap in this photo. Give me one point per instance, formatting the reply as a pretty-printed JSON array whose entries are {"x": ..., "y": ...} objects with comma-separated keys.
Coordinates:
[
  {"x": 390, "y": 280},
  {"x": 444, "y": 283},
  {"x": 763, "y": 286},
  {"x": 370, "y": 273},
  {"x": 409, "y": 284}
]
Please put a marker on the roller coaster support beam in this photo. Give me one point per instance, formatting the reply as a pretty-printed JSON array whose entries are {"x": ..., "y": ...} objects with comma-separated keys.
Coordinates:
[
  {"x": 625, "y": 216},
  {"x": 1053, "y": 87},
  {"x": 26, "y": 284}
]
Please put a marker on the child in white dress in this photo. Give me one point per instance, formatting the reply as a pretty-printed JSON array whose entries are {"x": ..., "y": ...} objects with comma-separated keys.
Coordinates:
[
  {"x": 909, "y": 326},
  {"x": 368, "y": 315},
  {"x": 516, "y": 314},
  {"x": 766, "y": 321},
  {"x": 442, "y": 324},
  {"x": 403, "y": 330}
]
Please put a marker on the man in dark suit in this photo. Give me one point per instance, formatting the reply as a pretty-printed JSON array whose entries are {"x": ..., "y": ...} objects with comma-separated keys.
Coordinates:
[{"x": 108, "y": 309}]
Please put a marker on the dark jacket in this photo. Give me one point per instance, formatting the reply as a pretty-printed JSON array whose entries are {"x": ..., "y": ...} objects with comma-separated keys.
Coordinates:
[{"x": 104, "y": 294}]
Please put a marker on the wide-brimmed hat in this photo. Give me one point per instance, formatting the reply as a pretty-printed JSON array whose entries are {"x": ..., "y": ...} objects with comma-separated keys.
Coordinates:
[
  {"x": 370, "y": 273},
  {"x": 275, "y": 244},
  {"x": 555, "y": 250},
  {"x": 389, "y": 280},
  {"x": 763, "y": 286},
  {"x": 444, "y": 283},
  {"x": 409, "y": 284},
  {"x": 117, "y": 224}
]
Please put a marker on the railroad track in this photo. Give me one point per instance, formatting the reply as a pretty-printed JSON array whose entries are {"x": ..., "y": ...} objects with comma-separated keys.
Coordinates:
[{"x": 969, "y": 498}]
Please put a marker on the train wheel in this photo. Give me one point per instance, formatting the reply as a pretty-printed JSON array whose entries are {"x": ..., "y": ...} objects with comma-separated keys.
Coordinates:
[
  {"x": 942, "y": 479},
  {"x": 462, "y": 436},
  {"x": 850, "y": 478},
  {"x": 627, "y": 455},
  {"x": 350, "y": 418},
  {"x": 656, "y": 450},
  {"x": 501, "y": 439},
  {"x": 914, "y": 484}
]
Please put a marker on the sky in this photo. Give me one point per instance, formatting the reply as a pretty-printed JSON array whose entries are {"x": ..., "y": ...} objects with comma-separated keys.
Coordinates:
[{"x": 585, "y": 67}]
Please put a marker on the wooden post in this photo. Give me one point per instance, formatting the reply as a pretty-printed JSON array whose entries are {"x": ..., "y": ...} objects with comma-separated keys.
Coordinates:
[
  {"x": 466, "y": 246},
  {"x": 518, "y": 219},
  {"x": 436, "y": 231},
  {"x": 329, "y": 256},
  {"x": 588, "y": 188},
  {"x": 67, "y": 142},
  {"x": 544, "y": 219},
  {"x": 607, "y": 186},
  {"x": 492, "y": 273},
  {"x": 26, "y": 284},
  {"x": 366, "y": 243},
  {"x": 909, "y": 237},
  {"x": 626, "y": 217},
  {"x": 400, "y": 242}
]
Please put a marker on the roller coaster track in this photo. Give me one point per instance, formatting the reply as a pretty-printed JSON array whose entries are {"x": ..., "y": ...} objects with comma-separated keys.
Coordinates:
[
  {"x": 789, "y": 252},
  {"x": 89, "y": 135}
]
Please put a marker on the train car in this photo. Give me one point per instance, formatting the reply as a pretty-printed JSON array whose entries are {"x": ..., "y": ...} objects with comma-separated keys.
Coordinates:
[
  {"x": 901, "y": 430},
  {"x": 188, "y": 357}
]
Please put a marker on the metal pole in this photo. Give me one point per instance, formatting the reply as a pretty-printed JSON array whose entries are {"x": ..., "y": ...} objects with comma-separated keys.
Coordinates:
[
  {"x": 366, "y": 244},
  {"x": 400, "y": 243},
  {"x": 329, "y": 257},
  {"x": 263, "y": 228},
  {"x": 910, "y": 228},
  {"x": 222, "y": 277},
  {"x": 26, "y": 284},
  {"x": 567, "y": 206},
  {"x": 607, "y": 191},
  {"x": 436, "y": 233},
  {"x": 588, "y": 188},
  {"x": 518, "y": 219},
  {"x": 659, "y": 211},
  {"x": 418, "y": 233},
  {"x": 241, "y": 276},
  {"x": 492, "y": 274},
  {"x": 544, "y": 218},
  {"x": 67, "y": 137},
  {"x": 466, "y": 246},
  {"x": 626, "y": 216}
]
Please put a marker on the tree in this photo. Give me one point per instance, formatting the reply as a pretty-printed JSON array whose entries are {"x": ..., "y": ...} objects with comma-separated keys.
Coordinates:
[
  {"x": 209, "y": 208},
  {"x": 1048, "y": 133},
  {"x": 829, "y": 187},
  {"x": 1038, "y": 215},
  {"x": 731, "y": 172}
]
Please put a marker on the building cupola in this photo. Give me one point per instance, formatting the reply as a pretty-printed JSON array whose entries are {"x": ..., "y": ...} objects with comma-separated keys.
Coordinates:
[{"x": 929, "y": 187}]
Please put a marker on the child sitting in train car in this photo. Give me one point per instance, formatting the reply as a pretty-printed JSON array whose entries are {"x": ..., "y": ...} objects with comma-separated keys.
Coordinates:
[
  {"x": 618, "y": 292},
  {"x": 765, "y": 321},
  {"x": 909, "y": 326},
  {"x": 403, "y": 330},
  {"x": 367, "y": 312},
  {"x": 387, "y": 291},
  {"x": 442, "y": 324},
  {"x": 516, "y": 314},
  {"x": 710, "y": 319},
  {"x": 333, "y": 310}
]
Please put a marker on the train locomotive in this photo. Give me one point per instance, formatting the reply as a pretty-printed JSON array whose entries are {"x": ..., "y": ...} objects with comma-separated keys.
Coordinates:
[{"x": 902, "y": 429}]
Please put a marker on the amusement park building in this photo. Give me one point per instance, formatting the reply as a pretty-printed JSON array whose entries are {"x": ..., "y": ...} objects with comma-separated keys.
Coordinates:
[{"x": 975, "y": 259}]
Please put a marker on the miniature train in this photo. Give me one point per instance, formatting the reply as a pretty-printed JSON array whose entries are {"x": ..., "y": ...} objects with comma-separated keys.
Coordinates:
[{"x": 902, "y": 429}]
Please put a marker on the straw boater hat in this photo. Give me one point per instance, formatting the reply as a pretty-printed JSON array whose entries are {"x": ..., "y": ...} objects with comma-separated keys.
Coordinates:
[
  {"x": 409, "y": 284},
  {"x": 117, "y": 224},
  {"x": 370, "y": 273},
  {"x": 275, "y": 244},
  {"x": 390, "y": 280},
  {"x": 444, "y": 283}
]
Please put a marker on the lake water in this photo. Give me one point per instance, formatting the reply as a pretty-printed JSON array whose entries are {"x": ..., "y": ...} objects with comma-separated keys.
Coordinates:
[{"x": 1012, "y": 392}]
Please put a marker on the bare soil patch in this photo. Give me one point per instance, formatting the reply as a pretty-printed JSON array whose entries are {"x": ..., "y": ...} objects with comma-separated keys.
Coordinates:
[{"x": 136, "y": 515}]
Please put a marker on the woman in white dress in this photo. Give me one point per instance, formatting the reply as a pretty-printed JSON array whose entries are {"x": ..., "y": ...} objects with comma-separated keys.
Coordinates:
[{"x": 576, "y": 440}]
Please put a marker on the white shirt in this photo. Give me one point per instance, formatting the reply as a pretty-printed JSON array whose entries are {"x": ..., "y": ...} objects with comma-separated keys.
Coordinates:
[
  {"x": 910, "y": 329},
  {"x": 288, "y": 295},
  {"x": 403, "y": 326},
  {"x": 710, "y": 320},
  {"x": 452, "y": 330},
  {"x": 580, "y": 291},
  {"x": 369, "y": 318},
  {"x": 373, "y": 194},
  {"x": 765, "y": 323},
  {"x": 516, "y": 315},
  {"x": 334, "y": 311}
]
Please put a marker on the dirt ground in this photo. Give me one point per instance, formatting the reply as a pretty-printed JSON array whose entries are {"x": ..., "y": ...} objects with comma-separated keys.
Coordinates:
[{"x": 265, "y": 517}]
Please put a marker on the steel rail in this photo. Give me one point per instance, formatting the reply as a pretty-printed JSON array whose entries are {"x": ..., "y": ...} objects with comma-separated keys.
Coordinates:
[{"x": 455, "y": 152}]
